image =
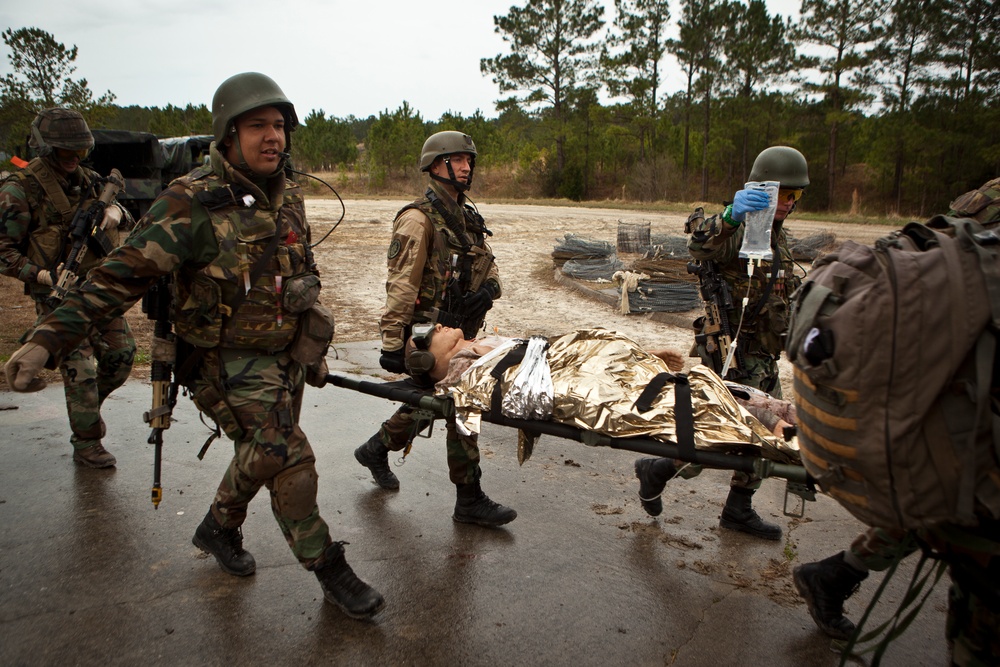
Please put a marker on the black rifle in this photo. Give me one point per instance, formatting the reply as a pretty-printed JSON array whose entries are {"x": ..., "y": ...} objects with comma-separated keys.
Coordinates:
[
  {"x": 156, "y": 304},
  {"x": 85, "y": 229},
  {"x": 715, "y": 330}
]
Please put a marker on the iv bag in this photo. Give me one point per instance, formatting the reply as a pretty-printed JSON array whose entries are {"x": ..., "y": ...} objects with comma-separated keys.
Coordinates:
[{"x": 758, "y": 224}]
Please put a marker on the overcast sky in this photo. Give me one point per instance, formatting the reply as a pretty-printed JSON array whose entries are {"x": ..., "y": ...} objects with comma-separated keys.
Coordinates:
[{"x": 358, "y": 57}]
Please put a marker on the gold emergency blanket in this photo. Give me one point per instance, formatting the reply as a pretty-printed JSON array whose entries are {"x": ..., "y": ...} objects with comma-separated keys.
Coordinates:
[{"x": 597, "y": 376}]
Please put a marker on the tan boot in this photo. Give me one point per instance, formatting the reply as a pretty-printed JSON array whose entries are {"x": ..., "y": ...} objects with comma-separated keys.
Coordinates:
[{"x": 94, "y": 457}]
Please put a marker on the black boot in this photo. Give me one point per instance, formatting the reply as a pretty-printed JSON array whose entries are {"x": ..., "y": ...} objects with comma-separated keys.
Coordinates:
[
  {"x": 375, "y": 456},
  {"x": 342, "y": 587},
  {"x": 825, "y": 585},
  {"x": 474, "y": 506},
  {"x": 739, "y": 515},
  {"x": 226, "y": 544},
  {"x": 653, "y": 476}
]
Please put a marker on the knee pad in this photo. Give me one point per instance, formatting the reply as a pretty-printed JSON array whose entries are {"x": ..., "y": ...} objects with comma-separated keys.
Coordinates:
[{"x": 294, "y": 491}]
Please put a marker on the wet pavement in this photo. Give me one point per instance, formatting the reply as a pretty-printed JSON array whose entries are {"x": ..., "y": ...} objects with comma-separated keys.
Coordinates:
[{"x": 91, "y": 574}]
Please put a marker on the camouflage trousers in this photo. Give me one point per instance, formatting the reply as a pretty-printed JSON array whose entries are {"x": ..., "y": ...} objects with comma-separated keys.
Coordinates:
[
  {"x": 759, "y": 370},
  {"x": 400, "y": 429},
  {"x": 90, "y": 373},
  {"x": 255, "y": 398},
  {"x": 877, "y": 548},
  {"x": 972, "y": 627}
]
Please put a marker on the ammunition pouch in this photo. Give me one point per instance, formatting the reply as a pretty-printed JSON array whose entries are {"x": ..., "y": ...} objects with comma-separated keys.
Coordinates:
[
  {"x": 313, "y": 336},
  {"x": 482, "y": 262},
  {"x": 300, "y": 293},
  {"x": 213, "y": 403}
]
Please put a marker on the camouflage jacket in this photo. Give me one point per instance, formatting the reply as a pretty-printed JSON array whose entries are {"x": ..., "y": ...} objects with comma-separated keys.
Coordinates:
[
  {"x": 34, "y": 234},
  {"x": 423, "y": 257},
  {"x": 982, "y": 204},
  {"x": 193, "y": 238},
  {"x": 713, "y": 240}
]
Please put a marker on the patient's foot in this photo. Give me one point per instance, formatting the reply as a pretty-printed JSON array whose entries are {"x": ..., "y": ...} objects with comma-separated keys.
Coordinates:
[{"x": 653, "y": 475}]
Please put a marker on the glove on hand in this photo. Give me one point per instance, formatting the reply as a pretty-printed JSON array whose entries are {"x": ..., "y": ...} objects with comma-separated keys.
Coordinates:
[
  {"x": 394, "y": 362},
  {"x": 46, "y": 277},
  {"x": 112, "y": 218},
  {"x": 24, "y": 366},
  {"x": 748, "y": 200},
  {"x": 478, "y": 303}
]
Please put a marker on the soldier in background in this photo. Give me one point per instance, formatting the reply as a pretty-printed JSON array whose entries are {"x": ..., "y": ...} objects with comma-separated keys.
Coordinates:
[
  {"x": 234, "y": 238},
  {"x": 973, "y": 628},
  {"x": 762, "y": 323},
  {"x": 441, "y": 271},
  {"x": 37, "y": 206}
]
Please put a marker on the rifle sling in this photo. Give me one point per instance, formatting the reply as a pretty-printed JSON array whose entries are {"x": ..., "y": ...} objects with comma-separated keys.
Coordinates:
[{"x": 50, "y": 184}]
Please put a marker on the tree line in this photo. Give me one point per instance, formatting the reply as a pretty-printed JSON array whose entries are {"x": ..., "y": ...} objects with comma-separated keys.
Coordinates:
[{"x": 893, "y": 102}]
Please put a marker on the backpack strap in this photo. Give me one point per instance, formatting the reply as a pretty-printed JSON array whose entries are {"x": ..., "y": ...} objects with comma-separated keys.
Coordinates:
[
  {"x": 47, "y": 179},
  {"x": 986, "y": 245}
]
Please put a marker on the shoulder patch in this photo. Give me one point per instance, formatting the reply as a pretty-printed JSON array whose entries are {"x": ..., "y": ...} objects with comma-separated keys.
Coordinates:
[{"x": 394, "y": 248}]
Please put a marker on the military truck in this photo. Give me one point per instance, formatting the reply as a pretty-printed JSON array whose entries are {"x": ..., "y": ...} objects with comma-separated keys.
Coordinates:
[{"x": 148, "y": 164}]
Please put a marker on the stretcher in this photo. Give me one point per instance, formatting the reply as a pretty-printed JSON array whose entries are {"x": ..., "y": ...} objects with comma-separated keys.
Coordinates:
[{"x": 799, "y": 487}]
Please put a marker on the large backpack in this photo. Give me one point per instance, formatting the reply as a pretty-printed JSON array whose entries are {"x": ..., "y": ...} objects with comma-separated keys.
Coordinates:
[{"x": 893, "y": 347}]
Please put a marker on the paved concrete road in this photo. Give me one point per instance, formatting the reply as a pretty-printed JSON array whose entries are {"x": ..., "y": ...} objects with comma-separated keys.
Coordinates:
[{"x": 91, "y": 574}]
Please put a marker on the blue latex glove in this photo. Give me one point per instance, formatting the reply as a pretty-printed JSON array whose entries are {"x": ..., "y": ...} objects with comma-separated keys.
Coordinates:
[{"x": 748, "y": 200}]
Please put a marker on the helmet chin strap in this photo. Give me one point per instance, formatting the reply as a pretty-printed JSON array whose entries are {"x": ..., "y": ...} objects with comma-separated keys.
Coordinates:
[{"x": 460, "y": 186}]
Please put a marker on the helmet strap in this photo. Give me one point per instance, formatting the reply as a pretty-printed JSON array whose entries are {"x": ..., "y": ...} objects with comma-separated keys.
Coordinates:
[{"x": 460, "y": 186}]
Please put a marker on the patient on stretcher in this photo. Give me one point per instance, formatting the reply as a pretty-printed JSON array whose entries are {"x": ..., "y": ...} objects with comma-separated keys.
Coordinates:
[{"x": 592, "y": 379}]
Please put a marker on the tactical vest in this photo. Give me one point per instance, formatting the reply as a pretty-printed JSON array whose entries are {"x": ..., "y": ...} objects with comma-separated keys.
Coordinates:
[
  {"x": 765, "y": 331},
  {"x": 52, "y": 210},
  {"x": 440, "y": 268},
  {"x": 203, "y": 313}
]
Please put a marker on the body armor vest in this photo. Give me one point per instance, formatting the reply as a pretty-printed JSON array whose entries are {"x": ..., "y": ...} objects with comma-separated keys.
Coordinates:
[
  {"x": 48, "y": 241},
  {"x": 466, "y": 260},
  {"x": 203, "y": 304}
]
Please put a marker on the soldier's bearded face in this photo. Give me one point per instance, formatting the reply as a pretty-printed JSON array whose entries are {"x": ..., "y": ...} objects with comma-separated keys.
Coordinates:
[{"x": 261, "y": 135}]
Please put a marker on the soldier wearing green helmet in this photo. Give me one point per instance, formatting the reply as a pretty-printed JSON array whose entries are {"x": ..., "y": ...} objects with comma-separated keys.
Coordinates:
[
  {"x": 761, "y": 317},
  {"x": 440, "y": 271},
  {"x": 38, "y": 205},
  {"x": 233, "y": 238}
]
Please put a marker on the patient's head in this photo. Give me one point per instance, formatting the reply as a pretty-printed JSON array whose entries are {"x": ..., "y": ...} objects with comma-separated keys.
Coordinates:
[{"x": 430, "y": 355}]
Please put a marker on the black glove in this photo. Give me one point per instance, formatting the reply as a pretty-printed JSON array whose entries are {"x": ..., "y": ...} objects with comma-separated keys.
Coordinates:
[
  {"x": 394, "y": 362},
  {"x": 478, "y": 303}
]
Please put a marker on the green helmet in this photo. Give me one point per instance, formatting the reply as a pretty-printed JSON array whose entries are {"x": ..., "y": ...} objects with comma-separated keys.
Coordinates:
[
  {"x": 783, "y": 164},
  {"x": 445, "y": 143},
  {"x": 60, "y": 128},
  {"x": 241, "y": 93}
]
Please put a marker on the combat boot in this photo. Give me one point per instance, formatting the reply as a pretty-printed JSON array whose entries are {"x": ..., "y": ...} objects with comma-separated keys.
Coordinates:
[
  {"x": 826, "y": 585},
  {"x": 474, "y": 506},
  {"x": 341, "y": 587},
  {"x": 739, "y": 515},
  {"x": 375, "y": 456},
  {"x": 653, "y": 476},
  {"x": 94, "y": 456},
  {"x": 226, "y": 544}
]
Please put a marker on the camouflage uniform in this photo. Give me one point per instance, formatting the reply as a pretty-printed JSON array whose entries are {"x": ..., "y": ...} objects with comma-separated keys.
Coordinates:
[
  {"x": 760, "y": 340},
  {"x": 417, "y": 290},
  {"x": 208, "y": 229},
  {"x": 34, "y": 237}
]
